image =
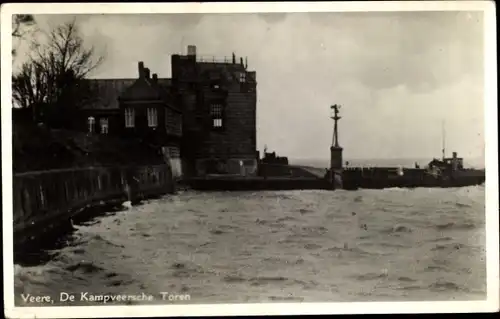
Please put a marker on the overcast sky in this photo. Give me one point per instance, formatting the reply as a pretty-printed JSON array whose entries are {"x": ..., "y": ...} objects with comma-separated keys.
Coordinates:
[{"x": 396, "y": 75}]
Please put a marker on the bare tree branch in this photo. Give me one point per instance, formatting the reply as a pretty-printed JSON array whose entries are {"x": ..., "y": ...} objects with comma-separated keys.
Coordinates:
[{"x": 53, "y": 76}]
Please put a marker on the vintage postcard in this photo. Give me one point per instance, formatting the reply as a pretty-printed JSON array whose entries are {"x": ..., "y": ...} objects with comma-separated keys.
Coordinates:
[{"x": 249, "y": 158}]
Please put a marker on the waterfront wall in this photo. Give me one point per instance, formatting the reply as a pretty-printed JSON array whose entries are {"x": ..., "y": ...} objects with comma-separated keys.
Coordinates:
[{"x": 41, "y": 199}]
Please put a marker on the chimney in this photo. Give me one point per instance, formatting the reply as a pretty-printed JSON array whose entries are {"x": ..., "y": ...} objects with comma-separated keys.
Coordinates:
[
  {"x": 241, "y": 61},
  {"x": 246, "y": 62},
  {"x": 155, "y": 78},
  {"x": 234, "y": 58},
  {"x": 191, "y": 50},
  {"x": 141, "y": 69},
  {"x": 147, "y": 73}
]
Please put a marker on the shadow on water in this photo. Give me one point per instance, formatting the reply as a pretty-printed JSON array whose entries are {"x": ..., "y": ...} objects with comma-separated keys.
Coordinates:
[{"x": 39, "y": 250}]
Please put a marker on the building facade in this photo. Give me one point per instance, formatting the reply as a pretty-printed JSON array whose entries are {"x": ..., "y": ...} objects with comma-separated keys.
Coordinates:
[
  {"x": 218, "y": 99},
  {"x": 203, "y": 118},
  {"x": 141, "y": 108}
]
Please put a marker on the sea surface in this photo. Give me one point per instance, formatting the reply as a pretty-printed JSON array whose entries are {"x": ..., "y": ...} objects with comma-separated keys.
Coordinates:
[{"x": 275, "y": 246}]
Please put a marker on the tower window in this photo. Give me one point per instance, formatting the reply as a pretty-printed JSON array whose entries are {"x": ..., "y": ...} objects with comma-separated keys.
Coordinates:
[
  {"x": 104, "y": 125},
  {"x": 129, "y": 117},
  {"x": 91, "y": 124},
  {"x": 216, "y": 113},
  {"x": 152, "y": 117},
  {"x": 243, "y": 77}
]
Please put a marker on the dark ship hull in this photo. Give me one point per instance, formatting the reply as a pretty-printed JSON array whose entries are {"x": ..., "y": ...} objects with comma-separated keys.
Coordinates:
[{"x": 379, "y": 178}]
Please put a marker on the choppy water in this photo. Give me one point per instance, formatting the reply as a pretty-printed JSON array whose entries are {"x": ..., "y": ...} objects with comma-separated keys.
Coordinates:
[{"x": 312, "y": 246}]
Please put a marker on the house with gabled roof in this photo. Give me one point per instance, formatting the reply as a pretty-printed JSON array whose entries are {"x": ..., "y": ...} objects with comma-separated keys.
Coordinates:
[
  {"x": 137, "y": 108},
  {"x": 205, "y": 114}
]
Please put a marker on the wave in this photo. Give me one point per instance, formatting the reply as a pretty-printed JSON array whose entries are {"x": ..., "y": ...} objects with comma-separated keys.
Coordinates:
[
  {"x": 312, "y": 246},
  {"x": 436, "y": 268},
  {"x": 263, "y": 280},
  {"x": 310, "y": 230},
  {"x": 406, "y": 279},
  {"x": 440, "y": 239},
  {"x": 371, "y": 276},
  {"x": 188, "y": 269},
  {"x": 398, "y": 229},
  {"x": 446, "y": 286},
  {"x": 87, "y": 267},
  {"x": 20, "y": 271},
  {"x": 456, "y": 225},
  {"x": 286, "y": 218},
  {"x": 451, "y": 246},
  {"x": 38, "y": 275},
  {"x": 308, "y": 284},
  {"x": 463, "y": 205},
  {"x": 254, "y": 281},
  {"x": 391, "y": 245},
  {"x": 354, "y": 250},
  {"x": 233, "y": 279},
  {"x": 358, "y": 199},
  {"x": 306, "y": 211}
]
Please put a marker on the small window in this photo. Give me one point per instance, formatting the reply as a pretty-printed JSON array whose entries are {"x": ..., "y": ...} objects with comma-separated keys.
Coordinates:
[
  {"x": 104, "y": 125},
  {"x": 91, "y": 124},
  {"x": 243, "y": 77},
  {"x": 129, "y": 117},
  {"x": 152, "y": 117},
  {"x": 216, "y": 113}
]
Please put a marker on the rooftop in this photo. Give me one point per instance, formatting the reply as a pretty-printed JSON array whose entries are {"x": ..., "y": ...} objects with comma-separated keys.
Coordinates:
[{"x": 107, "y": 91}]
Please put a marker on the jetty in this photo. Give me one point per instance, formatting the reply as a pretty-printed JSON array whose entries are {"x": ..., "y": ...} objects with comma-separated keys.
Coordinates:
[{"x": 275, "y": 173}]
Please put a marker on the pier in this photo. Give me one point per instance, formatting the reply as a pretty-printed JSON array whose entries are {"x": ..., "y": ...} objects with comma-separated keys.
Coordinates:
[{"x": 448, "y": 172}]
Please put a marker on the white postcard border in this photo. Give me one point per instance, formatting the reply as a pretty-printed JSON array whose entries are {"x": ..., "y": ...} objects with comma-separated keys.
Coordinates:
[{"x": 491, "y": 156}]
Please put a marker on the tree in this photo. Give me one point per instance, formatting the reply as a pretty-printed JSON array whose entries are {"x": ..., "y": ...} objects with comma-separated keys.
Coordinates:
[
  {"x": 29, "y": 88},
  {"x": 51, "y": 82}
]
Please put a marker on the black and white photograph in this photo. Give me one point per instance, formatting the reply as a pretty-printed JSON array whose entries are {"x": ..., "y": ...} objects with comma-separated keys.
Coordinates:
[{"x": 249, "y": 158}]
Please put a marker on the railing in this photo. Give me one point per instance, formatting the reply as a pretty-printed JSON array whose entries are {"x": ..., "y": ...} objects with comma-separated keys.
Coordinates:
[{"x": 214, "y": 59}]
